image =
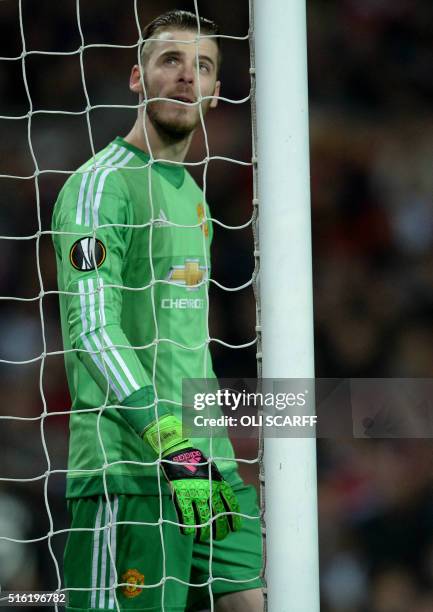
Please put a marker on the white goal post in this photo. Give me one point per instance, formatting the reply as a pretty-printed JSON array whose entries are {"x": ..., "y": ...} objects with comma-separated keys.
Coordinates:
[
  {"x": 282, "y": 147},
  {"x": 285, "y": 325}
]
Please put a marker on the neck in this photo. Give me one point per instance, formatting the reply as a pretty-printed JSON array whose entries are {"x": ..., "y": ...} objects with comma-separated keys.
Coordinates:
[{"x": 160, "y": 145}]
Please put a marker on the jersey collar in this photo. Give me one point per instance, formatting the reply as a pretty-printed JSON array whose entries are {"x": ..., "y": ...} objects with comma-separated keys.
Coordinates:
[{"x": 173, "y": 173}]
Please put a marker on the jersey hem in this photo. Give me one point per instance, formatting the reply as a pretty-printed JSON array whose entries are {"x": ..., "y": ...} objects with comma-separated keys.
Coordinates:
[{"x": 129, "y": 485}]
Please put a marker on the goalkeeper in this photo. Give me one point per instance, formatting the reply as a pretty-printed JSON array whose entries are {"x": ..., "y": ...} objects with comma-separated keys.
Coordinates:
[{"x": 134, "y": 320}]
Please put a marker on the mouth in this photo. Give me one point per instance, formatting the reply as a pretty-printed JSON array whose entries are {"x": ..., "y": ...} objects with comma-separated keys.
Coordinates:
[{"x": 183, "y": 98}]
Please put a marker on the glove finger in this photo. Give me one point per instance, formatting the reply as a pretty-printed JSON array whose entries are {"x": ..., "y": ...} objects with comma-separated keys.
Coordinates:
[
  {"x": 184, "y": 509},
  {"x": 202, "y": 510},
  {"x": 231, "y": 504},
  {"x": 220, "y": 525}
]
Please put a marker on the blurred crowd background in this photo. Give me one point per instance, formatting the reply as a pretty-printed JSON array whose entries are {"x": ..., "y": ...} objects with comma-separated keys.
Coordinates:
[{"x": 371, "y": 122}]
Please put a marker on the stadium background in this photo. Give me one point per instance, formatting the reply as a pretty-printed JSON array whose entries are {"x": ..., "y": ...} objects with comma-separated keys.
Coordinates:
[{"x": 371, "y": 114}]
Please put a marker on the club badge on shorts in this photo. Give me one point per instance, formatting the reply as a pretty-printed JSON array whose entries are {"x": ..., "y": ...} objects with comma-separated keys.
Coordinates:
[
  {"x": 87, "y": 254},
  {"x": 133, "y": 578}
]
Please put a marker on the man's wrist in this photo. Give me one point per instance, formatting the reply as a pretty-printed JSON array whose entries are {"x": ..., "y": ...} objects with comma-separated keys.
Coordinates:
[
  {"x": 140, "y": 411},
  {"x": 165, "y": 435}
]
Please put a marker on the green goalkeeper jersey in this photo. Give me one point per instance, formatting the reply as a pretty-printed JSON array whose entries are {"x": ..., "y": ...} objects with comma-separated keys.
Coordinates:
[{"x": 132, "y": 242}]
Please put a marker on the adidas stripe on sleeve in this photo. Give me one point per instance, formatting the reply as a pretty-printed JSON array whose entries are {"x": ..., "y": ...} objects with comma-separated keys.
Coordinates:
[{"x": 91, "y": 240}]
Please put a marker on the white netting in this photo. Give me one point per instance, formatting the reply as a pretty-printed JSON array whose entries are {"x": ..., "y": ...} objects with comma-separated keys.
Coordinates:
[{"x": 20, "y": 529}]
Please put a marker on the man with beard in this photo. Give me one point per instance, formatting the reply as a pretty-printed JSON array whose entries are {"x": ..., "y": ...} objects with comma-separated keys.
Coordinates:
[{"x": 156, "y": 525}]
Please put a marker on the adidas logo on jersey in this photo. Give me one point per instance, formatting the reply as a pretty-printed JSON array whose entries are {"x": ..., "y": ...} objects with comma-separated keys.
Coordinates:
[{"x": 162, "y": 220}]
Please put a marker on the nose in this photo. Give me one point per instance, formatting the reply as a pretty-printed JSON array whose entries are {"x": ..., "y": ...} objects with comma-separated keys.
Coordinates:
[{"x": 187, "y": 73}]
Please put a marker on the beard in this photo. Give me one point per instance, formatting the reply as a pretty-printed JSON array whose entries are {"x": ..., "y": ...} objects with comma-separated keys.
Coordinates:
[
  {"x": 174, "y": 121},
  {"x": 176, "y": 125}
]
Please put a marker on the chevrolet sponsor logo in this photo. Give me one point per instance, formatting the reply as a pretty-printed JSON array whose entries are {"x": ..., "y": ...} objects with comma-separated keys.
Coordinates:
[
  {"x": 182, "y": 304},
  {"x": 191, "y": 274}
]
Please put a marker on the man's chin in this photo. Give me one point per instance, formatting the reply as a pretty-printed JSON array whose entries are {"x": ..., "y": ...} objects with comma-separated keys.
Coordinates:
[{"x": 175, "y": 128}]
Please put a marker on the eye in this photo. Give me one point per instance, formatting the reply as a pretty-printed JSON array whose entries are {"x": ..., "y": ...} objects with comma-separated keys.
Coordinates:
[
  {"x": 204, "y": 67},
  {"x": 171, "y": 60}
]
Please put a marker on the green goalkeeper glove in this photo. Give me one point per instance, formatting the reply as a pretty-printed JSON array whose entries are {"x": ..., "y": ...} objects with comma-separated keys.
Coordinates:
[{"x": 190, "y": 476}]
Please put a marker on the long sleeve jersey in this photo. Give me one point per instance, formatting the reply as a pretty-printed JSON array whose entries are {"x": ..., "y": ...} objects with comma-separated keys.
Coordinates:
[{"x": 132, "y": 241}]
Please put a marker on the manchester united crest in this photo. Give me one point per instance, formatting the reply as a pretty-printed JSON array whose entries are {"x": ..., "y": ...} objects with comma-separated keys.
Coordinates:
[
  {"x": 201, "y": 217},
  {"x": 134, "y": 580}
]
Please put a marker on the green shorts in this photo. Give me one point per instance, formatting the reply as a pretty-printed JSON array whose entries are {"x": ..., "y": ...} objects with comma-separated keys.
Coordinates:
[{"x": 134, "y": 548}]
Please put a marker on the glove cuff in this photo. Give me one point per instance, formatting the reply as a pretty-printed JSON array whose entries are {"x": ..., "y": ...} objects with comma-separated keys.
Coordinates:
[
  {"x": 165, "y": 435},
  {"x": 188, "y": 463}
]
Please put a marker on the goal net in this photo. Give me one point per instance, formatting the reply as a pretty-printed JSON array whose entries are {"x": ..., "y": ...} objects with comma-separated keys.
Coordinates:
[{"x": 64, "y": 78}]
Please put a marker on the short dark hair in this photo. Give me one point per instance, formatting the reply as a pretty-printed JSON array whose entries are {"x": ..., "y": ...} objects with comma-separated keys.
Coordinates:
[{"x": 181, "y": 20}]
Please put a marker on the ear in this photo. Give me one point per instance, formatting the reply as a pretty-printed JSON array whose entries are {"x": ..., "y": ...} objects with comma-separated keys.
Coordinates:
[
  {"x": 135, "y": 80},
  {"x": 216, "y": 93}
]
